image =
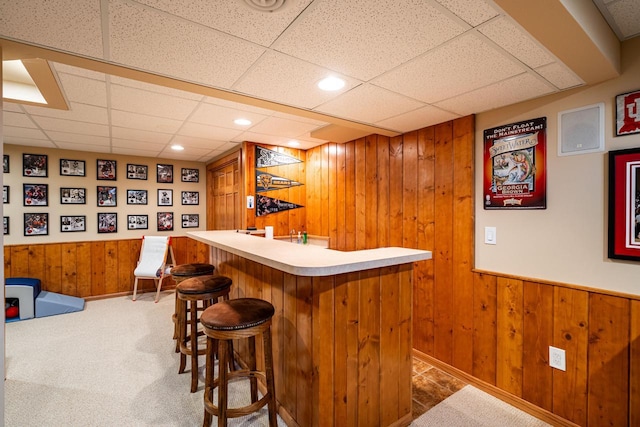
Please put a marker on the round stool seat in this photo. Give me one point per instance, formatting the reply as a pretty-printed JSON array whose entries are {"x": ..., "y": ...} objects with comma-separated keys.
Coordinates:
[
  {"x": 196, "y": 269},
  {"x": 203, "y": 284},
  {"x": 237, "y": 314}
]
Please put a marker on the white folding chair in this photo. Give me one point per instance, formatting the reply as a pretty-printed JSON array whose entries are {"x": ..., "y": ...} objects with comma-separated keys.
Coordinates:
[{"x": 153, "y": 263}]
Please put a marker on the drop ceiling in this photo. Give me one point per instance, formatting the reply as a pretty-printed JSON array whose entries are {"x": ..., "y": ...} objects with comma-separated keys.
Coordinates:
[{"x": 407, "y": 64}]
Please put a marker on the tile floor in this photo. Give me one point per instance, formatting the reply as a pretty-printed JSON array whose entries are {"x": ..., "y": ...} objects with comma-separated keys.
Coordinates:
[{"x": 431, "y": 386}]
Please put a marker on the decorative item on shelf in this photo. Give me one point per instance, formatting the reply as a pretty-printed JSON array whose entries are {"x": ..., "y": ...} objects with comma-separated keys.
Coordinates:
[
  {"x": 35, "y": 165},
  {"x": 106, "y": 169},
  {"x": 72, "y": 167}
]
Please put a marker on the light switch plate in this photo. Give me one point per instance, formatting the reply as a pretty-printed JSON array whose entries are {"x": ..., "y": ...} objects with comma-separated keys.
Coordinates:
[
  {"x": 250, "y": 202},
  {"x": 490, "y": 235},
  {"x": 557, "y": 358}
]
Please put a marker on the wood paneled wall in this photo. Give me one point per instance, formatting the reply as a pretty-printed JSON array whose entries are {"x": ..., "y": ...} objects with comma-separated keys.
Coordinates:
[
  {"x": 416, "y": 190},
  {"x": 91, "y": 269}
]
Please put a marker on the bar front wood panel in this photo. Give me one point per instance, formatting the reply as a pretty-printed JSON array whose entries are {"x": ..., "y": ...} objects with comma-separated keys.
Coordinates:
[
  {"x": 91, "y": 269},
  {"x": 342, "y": 344}
]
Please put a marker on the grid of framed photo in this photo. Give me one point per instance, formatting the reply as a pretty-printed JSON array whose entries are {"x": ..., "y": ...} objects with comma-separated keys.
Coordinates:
[
  {"x": 164, "y": 174},
  {"x": 73, "y": 196},
  {"x": 35, "y": 165},
  {"x": 137, "y": 222},
  {"x": 137, "y": 171},
  {"x": 190, "y": 220},
  {"x": 72, "y": 167},
  {"x": 107, "y": 222},
  {"x": 106, "y": 169},
  {"x": 136, "y": 197},
  {"x": 190, "y": 198},
  {"x": 165, "y": 221},
  {"x": 35, "y": 194},
  {"x": 190, "y": 175},
  {"x": 165, "y": 197},
  {"x": 73, "y": 223},
  {"x": 107, "y": 196},
  {"x": 36, "y": 224}
]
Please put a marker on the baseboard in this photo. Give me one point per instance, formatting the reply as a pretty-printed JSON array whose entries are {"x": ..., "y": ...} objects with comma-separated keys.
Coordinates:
[{"x": 506, "y": 397}]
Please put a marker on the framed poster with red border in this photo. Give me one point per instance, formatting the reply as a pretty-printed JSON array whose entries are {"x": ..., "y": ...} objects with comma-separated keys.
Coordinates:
[
  {"x": 624, "y": 204},
  {"x": 515, "y": 165}
]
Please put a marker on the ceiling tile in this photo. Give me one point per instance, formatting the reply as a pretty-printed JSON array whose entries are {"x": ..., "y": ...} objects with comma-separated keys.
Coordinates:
[
  {"x": 191, "y": 154},
  {"x": 302, "y": 119},
  {"x": 463, "y": 65},
  {"x": 84, "y": 90},
  {"x": 21, "y": 132},
  {"x": 374, "y": 103},
  {"x": 374, "y": 45},
  {"x": 416, "y": 119},
  {"x": 516, "y": 89},
  {"x": 50, "y": 123},
  {"x": 217, "y": 115},
  {"x": 283, "y": 127},
  {"x": 180, "y": 49},
  {"x": 559, "y": 75},
  {"x": 115, "y": 80},
  {"x": 81, "y": 72},
  {"x": 473, "y": 12},
  {"x": 140, "y": 135},
  {"x": 261, "y": 138},
  {"x": 288, "y": 80},
  {"x": 77, "y": 138},
  {"x": 131, "y": 151},
  {"x": 11, "y": 106},
  {"x": 131, "y": 120},
  {"x": 234, "y": 17},
  {"x": 28, "y": 142},
  {"x": 514, "y": 40},
  {"x": 67, "y": 25},
  {"x": 626, "y": 14},
  {"x": 238, "y": 106},
  {"x": 84, "y": 147},
  {"x": 208, "y": 132},
  {"x": 77, "y": 112},
  {"x": 138, "y": 145},
  {"x": 21, "y": 120},
  {"x": 189, "y": 141},
  {"x": 150, "y": 103}
]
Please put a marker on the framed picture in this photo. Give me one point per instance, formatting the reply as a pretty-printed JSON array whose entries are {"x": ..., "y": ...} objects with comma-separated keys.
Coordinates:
[
  {"x": 624, "y": 204},
  {"x": 5, "y": 194},
  {"x": 165, "y": 174},
  {"x": 190, "y": 175},
  {"x": 165, "y": 221},
  {"x": 73, "y": 196},
  {"x": 106, "y": 169},
  {"x": 108, "y": 222},
  {"x": 165, "y": 197},
  {"x": 136, "y": 197},
  {"x": 5, "y": 222},
  {"x": 137, "y": 222},
  {"x": 5, "y": 163},
  {"x": 137, "y": 171},
  {"x": 34, "y": 165},
  {"x": 190, "y": 220},
  {"x": 73, "y": 223},
  {"x": 190, "y": 198},
  {"x": 35, "y": 194},
  {"x": 72, "y": 167},
  {"x": 107, "y": 196},
  {"x": 627, "y": 111},
  {"x": 36, "y": 224}
]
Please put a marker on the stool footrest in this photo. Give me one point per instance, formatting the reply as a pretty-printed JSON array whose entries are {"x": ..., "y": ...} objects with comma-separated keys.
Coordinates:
[{"x": 241, "y": 411}]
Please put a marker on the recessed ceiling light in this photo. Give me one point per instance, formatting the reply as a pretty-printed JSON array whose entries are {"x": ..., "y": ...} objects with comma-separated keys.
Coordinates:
[
  {"x": 177, "y": 147},
  {"x": 242, "y": 122},
  {"x": 331, "y": 83},
  {"x": 293, "y": 143}
]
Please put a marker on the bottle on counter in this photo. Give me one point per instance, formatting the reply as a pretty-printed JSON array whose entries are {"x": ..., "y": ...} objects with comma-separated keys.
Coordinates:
[
  {"x": 304, "y": 238},
  {"x": 299, "y": 237}
]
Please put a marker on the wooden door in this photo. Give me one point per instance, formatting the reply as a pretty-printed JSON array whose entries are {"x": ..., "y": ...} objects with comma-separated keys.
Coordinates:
[{"x": 223, "y": 187}]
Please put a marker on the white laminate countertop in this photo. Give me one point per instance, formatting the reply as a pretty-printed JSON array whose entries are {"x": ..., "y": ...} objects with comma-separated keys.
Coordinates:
[{"x": 306, "y": 260}]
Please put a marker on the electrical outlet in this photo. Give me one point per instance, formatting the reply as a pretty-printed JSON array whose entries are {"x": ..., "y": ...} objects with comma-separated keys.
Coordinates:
[{"x": 557, "y": 358}]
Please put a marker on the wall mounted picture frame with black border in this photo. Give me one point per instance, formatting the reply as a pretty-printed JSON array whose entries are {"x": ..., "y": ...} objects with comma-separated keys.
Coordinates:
[
  {"x": 107, "y": 222},
  {"x": 107, "y": 196},
  {"x": 137, "y": 222},
  {"x": 137, "y": 171},
  {"x": 5, "y": 194},
  {"x": 190, "y": 220},
  {"x": 165, "y": 221},
  {"x": 106, "y": 170},
  {"x": 36, "y": 224},
  {"x": 35, "y": 165},
  {"x": 165, "y": 197},
  {"x": 190, "y": 198},
  {"x": 73, "y": 196},
  {"x": 624, "y": 204},
  {"x": 5, "y": 163},
  {"x": 73, "y": 223},
  {"x": 35, "y": 194},
  {"x": 69, "y": 167},
  {"x": 137, "y": 197},
  {"x": 190, "y": 175},
  {"x": 5, "y": 223},
  {"x": 164, "y": 174}
]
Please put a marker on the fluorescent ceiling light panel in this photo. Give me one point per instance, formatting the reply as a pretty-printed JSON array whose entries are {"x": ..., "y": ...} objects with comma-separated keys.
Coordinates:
[{"x": 18, "y": 85}]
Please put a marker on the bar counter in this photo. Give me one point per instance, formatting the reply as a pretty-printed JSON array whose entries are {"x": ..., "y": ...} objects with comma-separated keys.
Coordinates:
[{"x": 342, "y": 331}]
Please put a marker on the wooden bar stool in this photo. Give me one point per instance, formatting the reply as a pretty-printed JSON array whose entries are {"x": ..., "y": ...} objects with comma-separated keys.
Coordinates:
[
  {"x": 204, "y": 289},
  {"x": 178, "y": 274},
  {"x": 223, "y": 322}
]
